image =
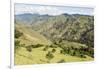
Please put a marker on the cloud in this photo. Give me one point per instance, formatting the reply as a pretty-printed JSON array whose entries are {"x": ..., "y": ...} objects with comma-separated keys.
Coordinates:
[
  {"x": 20, "y": 9},
  {"x": 50, "y": 10}
]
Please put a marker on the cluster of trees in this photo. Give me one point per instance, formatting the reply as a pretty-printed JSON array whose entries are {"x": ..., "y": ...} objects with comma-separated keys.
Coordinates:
[
  {"x": 80, "y": 52},
  {"x": 17, "y": 42},
  {"x": 30, "y": 47},
  {"x": 49, "y": 55},
  {"x": 18, "y": 34},
  {"x": 88, "y": 38},
  {"x": 74, "y": 49}
]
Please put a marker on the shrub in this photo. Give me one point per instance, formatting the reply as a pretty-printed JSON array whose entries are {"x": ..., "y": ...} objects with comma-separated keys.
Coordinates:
[
  {"x": 39, "y": 45},
  {"x": 67, "y": 50},
  {"x": 74, "y": 53},
  {"x": 82, "y": 56},
  {"x": 53, "y": 50},
  {"x": 45, "y": 48},
  {"x": 22, "y": 45},
  {"x": 17, "y": 45},
  {"x": 36, "y": 46},
  {"x": 61, "y": 61},
  {"x": 63, "y": 52},
  {"x": 29, "y": 48},
  {"x": 49, "y": 55},
  {"x": 18, "y": 34},
  {"x": 53, "y": 46}
]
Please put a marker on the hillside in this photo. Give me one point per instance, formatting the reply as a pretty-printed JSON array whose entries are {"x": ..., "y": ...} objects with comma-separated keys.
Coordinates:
[
  {"x": 39, "y": 56},
  {"x": 41, "y": 39},
  {"x": 30, "y": 18},
  {"x": 30, "y": 36},
  {"x": 77, "y": 28}
]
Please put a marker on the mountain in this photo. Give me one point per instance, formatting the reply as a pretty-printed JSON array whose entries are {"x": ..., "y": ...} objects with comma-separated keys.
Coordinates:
[
  {"x": 30, "y": 36},
  {"x": 71, "y": 27},
  {"x": 30, "y": 18},
  {"x": 61, "y": 38},
  {"x": 67, "y": 27}
]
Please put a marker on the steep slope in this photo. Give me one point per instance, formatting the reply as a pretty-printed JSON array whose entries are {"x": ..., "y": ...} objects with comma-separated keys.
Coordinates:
[
  {"x": 67, "y": 27},
  {"x": 30, "y": 36}
]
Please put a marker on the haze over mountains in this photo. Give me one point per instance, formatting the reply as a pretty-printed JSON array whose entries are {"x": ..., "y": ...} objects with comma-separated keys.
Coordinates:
[{"x": 30, "y": 18}]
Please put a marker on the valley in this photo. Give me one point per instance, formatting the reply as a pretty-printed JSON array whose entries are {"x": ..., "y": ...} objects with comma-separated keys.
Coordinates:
[{"x": 41, "y": 39}]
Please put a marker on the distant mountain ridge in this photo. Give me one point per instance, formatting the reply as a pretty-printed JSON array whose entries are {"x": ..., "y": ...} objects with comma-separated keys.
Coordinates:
[{"x": 32, "y": 18}]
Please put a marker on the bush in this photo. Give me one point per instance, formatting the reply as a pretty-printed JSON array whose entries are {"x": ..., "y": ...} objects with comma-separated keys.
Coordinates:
[
  {"x": 18, "y": 34},
  {"x": 71, "y": 53},
  {"x": 29, "y": 48},
  {"x": 63, "y": 52},
  {"x": 39, "y": 45},
  {"x": 82, "y": 56},
  {"x": 53, "y": 50},
  {"x": 49, "y": 55},
  {"x": 22, "y": 45},
  {"x": 74, "y": 53},
  {"x": 36, "y": 46},
  {"x": 61, "y": 61},
  {"x": 90, "y": 52},
  {"x": 67, "y": 50},
  {"x": 17, "y": 45},
  {"x": 45, "y": 48},
  {"x": 53, "y": 46}
]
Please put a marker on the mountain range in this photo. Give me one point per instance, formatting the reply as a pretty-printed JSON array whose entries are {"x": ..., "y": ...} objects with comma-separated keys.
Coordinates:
[
  {"x": 75, "y": 27},
  {"x": 49, "y": 39}
]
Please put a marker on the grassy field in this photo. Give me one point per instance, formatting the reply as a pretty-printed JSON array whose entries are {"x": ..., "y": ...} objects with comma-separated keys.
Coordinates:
[{"x": 38, "y": 56}]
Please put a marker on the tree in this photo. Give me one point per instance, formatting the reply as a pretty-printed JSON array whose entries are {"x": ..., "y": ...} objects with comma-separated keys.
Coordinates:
[
  {"x": 53, "y": 50},
  {"x": 29, "y": 48},
  {"x": 17, "y": 45},
  {"x": 45, "y": 48},
  {"x": 18, "y": 34},
  {"x": 61, "y": 61},
  {"x": 49, "y": 55}
]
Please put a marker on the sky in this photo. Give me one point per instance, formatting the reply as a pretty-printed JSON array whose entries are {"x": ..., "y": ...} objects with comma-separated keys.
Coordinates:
[{"x": 51, "y": 10}]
